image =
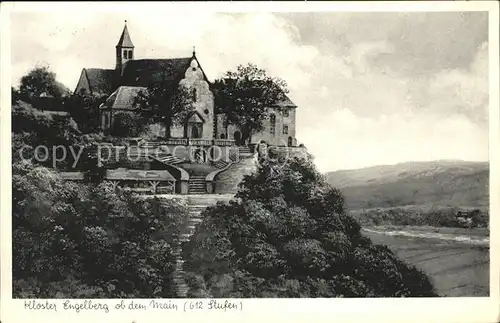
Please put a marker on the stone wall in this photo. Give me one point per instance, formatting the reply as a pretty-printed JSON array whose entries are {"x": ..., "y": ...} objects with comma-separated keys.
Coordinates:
[
  {"x": 279, "y": 138},
  {"x": 204, "y": 103},
  {"x": 227, "y": 182}
]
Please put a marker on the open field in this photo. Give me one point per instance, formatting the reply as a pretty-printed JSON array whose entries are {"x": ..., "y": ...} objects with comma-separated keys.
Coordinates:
[{"x": 456, "y": 268}]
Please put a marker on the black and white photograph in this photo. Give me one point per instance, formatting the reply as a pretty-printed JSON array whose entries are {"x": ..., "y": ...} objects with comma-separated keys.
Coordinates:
[{"x": 178, "y": 153}]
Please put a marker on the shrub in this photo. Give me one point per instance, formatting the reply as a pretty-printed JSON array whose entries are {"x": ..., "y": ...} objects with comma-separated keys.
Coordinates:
[
  {"x": 74, "y": 240},
  {"x": 128, "y": 124},
  {"x": 421, "y": 216},
  {"x": 287, "y": 235}
]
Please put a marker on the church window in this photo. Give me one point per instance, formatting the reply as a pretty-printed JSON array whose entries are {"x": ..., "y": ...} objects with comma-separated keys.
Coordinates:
[
  {"x": 194, "y": 95},
  {"x": 125, "y": 54},
  {"x": 105, "y": 120},
  {"x": 285, "y": 130},
  {"x": 273, "y": 124},
  {"x": 130, "y": 54},
  {"x": 286, "y": 113}
]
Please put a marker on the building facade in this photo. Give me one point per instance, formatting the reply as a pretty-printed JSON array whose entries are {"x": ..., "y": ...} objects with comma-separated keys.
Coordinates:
[{"x": 130, "y": 76}]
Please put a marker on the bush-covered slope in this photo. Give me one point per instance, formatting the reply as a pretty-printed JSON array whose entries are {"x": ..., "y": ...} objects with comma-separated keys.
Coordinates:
[
  {"x": 287, "y": 235},
  {"x": 72, "y": 240}
]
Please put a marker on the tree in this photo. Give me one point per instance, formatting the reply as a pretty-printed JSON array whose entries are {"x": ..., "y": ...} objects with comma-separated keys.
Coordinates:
[
  {"x": 14, "y": 95},
  {"x": 34, "y": 128},
  {"x": 40, "y": 81},
  {"x": 84, "y": 109},
  {"x": 287, "y": 235},
  {"x": 74, "y": 240},
  {"x": 245, "y": 97},
  {"x": 164, "y": 103},
  {"x": 128, "y": 124}
]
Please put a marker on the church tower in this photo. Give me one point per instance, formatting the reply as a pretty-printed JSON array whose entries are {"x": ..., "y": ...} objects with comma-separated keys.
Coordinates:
[{"x": 124, "y": 50}]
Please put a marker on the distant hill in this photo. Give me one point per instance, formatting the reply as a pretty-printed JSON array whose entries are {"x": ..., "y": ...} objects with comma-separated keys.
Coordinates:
[{"x": 439, "y": 183}]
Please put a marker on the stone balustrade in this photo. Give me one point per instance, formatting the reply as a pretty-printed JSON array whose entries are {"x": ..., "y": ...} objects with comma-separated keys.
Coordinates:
[{"x": 224, "y": 142}]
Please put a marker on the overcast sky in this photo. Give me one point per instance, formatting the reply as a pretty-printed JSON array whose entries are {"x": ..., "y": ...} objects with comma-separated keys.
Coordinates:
[{"x": 371, "y": 88}]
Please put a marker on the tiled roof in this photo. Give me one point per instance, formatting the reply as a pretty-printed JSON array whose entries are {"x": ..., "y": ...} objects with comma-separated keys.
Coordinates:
[
  {"x": 72, "y": 175},
  {"x": 125, "y": 40},
  {"x": 100, "y": 80},
  {"x": 195, "y": 117},
  {"x": 286, "y": 102},
  {"x": 138, "y": 175},
  {"x": 123, "y": 98},
  {"x": 142, "y": 72}
]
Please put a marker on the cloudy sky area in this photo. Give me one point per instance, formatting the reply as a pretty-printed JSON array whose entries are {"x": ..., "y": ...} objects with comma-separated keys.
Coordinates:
[{"x": 372, "y": 88}]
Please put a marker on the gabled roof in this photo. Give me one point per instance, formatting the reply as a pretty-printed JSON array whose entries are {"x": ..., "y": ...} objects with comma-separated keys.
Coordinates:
[
  {"x": 142, "y": 72},
  {"x": 195, "y": 117},
  {"x": 123, "y": 98},
  {"x": 125, "y": 40},
  {"x": 138, "y": 175},
  {"x": 100, "y": 80},
  {"x": 286, "y": 102}
]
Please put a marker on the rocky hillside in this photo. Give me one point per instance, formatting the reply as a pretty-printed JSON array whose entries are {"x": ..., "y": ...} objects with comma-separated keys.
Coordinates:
[{"x": 440, "y": 183}]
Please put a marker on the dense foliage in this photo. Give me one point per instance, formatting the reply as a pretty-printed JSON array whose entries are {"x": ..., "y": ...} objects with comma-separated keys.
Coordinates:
[
  {"x": 40, "y": 81},
  {"x": 75, "y": 240},
  {"x": 128, "y": 124},
  {"x": 246, "y": 95},
  {"x": 420, "y": 216},
  {"x": 163, "y": 103},
  {"x": 84, "y": 109},
  {"x": 287, "y": 235},
  {"x": 32, "y": 128}
]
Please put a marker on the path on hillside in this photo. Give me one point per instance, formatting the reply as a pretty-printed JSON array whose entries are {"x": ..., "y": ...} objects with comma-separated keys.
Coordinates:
[
  {"x": 457, "y": 268},
  {"x": 195, "y": 204}
]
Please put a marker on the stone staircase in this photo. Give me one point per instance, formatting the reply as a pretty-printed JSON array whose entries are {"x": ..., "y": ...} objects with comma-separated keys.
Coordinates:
[
  {"x": 197, "y": 184},
  {"x": 149, "y": 145},
  {"x": 169, "y": 159},
  {"x": 244, "y": 150},
  {"x": 151, "y": 149},
  {"x": 196, "y": 204},
  {"x": 233, "y": 157},
  {"x": 221, "y": 164}
]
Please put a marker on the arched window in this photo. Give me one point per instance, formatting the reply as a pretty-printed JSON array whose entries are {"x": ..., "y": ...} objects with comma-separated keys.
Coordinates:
[
  {"x": 105, "y": 120},
  {"x": 272, "y": 120},
  {"x": 129, "y": 54},
  {"x": 222, "y": 136},
  {"x": 193, "y": 93}
]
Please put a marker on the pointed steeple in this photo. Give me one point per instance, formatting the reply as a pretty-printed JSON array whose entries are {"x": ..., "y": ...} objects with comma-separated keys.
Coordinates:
[
  {"x": 125, "y": 41},
  {"x": 124, "y": 50}
]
